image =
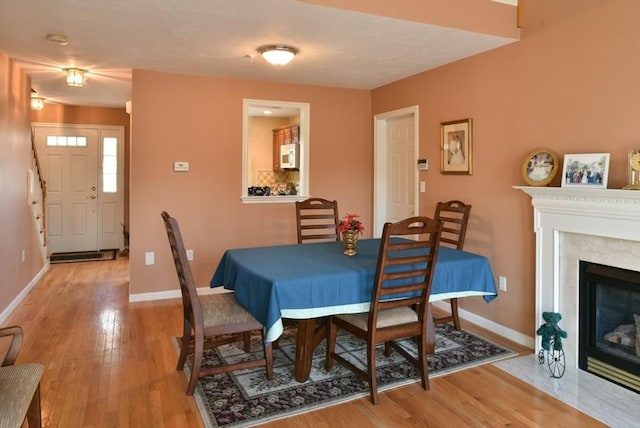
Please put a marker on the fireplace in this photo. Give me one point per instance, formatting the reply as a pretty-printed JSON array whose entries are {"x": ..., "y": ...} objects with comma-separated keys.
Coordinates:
[
  {"x": 609, "y": 323},
  {"x": 572, "y": 225}
]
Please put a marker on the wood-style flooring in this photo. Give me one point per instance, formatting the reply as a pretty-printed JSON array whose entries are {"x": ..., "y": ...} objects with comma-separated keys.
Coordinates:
[{"x": 110, "y": 363}]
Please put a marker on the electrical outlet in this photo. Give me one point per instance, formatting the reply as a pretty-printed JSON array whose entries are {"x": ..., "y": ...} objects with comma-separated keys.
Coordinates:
[
  {"x": 190, "y": 255},
  {"x": 503, "y": 283}
]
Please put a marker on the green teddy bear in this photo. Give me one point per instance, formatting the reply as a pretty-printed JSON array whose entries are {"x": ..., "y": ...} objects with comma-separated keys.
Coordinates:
[{"x": 550, "y": 330}]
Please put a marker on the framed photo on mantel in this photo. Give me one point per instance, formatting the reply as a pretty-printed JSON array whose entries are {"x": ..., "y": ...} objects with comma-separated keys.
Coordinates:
[
  {"x": 586, "y": 170},
  {"x": 456, "y": 147}
]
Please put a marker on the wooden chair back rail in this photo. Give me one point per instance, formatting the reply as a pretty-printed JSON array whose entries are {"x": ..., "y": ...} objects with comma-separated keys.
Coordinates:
[
  {"x": 317, "y": 220},
  {"x": 455, "y": 218}
]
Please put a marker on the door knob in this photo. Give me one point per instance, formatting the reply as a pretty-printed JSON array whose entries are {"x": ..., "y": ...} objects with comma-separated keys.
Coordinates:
[
  {"x": 93, "y": 196},
  {"x": 93, "y": 188}
]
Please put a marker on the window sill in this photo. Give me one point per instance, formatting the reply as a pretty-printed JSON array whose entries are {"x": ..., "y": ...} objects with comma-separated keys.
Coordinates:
[{"x": 283, "y": 199}]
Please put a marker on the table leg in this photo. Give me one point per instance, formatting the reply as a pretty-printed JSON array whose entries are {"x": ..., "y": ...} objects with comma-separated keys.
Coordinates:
[{"x": 305, "y": 344}]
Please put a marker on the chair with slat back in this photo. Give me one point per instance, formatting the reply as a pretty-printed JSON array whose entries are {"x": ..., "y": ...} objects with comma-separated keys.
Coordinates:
[
  {"x": 218, "y": 316},
  {"x": 317, "y": 220},
  {"x": 454, "y": 216},
  {"x": 19, "y": 385},
  {"x": 399, "y": 301}
]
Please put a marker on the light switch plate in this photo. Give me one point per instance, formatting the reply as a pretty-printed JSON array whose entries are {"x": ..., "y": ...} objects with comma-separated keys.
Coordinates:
[
  {"x": 149, "y": 258},
  {"x": 181, "y": 166}
]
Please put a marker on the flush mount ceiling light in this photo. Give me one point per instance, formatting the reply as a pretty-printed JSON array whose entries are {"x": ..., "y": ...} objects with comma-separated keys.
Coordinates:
[
  {"x": 57, "y": 39},
  {"x": 37, "y": 102},
  {"x": 75, "y": 77},
  {"x": 277, "y": 54}
]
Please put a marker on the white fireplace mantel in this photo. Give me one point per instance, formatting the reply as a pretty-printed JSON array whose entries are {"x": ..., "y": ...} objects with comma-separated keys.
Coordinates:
[{"x": 606, "y": 213}]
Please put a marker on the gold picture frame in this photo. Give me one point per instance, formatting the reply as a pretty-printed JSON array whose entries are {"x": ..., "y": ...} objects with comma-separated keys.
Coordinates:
[
  {"x": 456, "y": 149},
  {"x": 540, "y": 167}
]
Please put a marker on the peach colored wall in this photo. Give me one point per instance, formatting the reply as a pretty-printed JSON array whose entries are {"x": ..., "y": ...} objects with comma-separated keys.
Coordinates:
[
  {"x": 199, "y": 119},
  {"x": 568, "y": 85},
  {"x": 17, "y": 230}
]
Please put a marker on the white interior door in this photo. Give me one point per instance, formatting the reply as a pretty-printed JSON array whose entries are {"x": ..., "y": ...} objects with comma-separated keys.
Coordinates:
[
  {"x": 396, "y": 177},
  {"x": 70, "y": 169},
  {"x": 401, "y": 165}
]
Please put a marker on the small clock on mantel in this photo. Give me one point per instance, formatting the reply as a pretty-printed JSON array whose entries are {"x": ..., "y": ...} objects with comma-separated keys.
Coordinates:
[{"x": 634, "y": 170}]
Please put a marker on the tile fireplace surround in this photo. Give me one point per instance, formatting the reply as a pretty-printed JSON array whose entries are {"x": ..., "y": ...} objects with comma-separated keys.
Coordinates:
[{"x": 573, "y": 224}]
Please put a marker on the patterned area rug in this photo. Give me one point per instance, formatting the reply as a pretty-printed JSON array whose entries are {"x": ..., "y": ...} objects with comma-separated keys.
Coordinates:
[{"x": 245, "y": 398}]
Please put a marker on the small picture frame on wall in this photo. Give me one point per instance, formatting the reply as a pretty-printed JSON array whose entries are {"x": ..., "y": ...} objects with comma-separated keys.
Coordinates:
[
  {"x": 587, "y": 170},
  {"x": 456, "y": 147},
  {"x": 540, "y": 167}
]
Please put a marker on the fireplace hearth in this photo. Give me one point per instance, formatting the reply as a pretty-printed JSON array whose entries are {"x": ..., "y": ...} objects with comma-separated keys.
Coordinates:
[{"x": 609, "y": 323}]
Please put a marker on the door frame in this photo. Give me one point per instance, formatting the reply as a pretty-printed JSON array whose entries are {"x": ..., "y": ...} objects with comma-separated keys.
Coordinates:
[
  {"x": 110, "y": 130},
  {"x": 380, "y": 164}
]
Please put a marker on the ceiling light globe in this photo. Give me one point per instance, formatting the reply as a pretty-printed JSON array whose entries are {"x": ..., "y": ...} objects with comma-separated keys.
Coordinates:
[
  {"x": 37, "y": 103},
  {"x": 75, "y": 77},
  {"x": 278, "y": 54}
]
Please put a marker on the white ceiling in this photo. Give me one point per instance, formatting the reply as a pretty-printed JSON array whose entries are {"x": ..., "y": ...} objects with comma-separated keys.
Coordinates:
[{"x": 219, "y": 38}]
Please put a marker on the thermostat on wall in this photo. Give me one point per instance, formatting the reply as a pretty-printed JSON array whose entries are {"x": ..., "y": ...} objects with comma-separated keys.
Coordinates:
[
  {"x": 181, "y": 166},
  {"x": 423, "y": 164}
]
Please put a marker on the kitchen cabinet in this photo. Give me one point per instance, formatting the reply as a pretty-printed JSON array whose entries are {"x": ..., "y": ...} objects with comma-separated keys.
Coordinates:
[{"x": 289, "y": 134}]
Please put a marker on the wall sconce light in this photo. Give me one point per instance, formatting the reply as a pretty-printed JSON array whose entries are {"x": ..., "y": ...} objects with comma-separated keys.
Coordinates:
[
  {"x": 75, "y": 77},
  {"x": 37, "y": 102},
  {"x": 277, "y": 54}
]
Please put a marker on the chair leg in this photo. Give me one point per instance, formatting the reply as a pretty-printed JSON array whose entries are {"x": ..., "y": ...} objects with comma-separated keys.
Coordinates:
[
  {"x": 33, "y": 413},
  {"x": 184, "y": 347},
  {"x": 331, "y": 343},
  {"x": 197, "y": 364},
  {"x": 423, "y": 362},
  {"x": 454, "y": 313},
  {"x": 372, "y": 371}
]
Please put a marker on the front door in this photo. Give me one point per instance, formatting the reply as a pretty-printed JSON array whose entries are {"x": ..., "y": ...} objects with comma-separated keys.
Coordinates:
[{"x": 69, "y": 161}]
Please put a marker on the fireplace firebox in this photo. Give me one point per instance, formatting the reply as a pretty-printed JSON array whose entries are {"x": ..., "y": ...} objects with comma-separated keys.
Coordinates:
[{"x": 609, "y": 323}]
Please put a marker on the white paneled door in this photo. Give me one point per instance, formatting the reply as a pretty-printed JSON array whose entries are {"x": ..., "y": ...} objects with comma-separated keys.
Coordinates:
[
  {"x": 401, "y": 167},
  {"x": 70, "y": 162},
  {"x": 395, "y": 170}
]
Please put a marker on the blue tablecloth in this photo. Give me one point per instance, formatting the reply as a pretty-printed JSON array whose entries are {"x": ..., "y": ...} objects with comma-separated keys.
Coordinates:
[{"x": 314, "y": 280}]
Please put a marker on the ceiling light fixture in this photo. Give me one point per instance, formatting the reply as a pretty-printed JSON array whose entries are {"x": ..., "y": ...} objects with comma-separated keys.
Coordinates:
[
  {"x": 75, "y": 77},
  {"x": 277, "y": 54},
  {"x": 37, "y": 102},
  {"x": 57, "y": 39}
]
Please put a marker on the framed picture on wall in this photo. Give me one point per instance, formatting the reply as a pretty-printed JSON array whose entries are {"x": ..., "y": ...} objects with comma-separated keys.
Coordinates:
[
  {"x": 588, "y": 170},
  {"x": 456, "y": 147}
]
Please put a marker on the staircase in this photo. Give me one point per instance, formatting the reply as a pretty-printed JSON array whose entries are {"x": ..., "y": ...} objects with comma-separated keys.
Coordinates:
[{"x": 37, "y": 194}]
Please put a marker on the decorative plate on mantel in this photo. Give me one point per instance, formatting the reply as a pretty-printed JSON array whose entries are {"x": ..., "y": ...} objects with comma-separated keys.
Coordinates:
[{"x": 540, "y": 167}]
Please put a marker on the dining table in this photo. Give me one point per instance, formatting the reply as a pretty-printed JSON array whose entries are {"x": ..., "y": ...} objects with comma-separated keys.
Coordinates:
[{"x": 306, "y": 282}]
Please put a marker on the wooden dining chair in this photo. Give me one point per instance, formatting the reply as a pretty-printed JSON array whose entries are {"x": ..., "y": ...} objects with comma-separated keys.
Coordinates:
[
  {"x": 402, "y": 283},
  {"x": 317, "y": 220},
  {"x": 454, "y": 216},
  {"x": 210, "y": 316},
  {"x": 19, "y": 385}
]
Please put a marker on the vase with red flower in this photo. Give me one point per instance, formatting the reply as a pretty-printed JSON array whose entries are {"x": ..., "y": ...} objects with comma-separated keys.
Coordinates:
[{"x": 351, "y": 228}]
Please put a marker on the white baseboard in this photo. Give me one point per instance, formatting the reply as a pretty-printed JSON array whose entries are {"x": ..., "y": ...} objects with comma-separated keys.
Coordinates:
[
  {"x": 514, "y": 336},
  {"x": 20, "y": 297},
  {"x": 171, "y": 294}
]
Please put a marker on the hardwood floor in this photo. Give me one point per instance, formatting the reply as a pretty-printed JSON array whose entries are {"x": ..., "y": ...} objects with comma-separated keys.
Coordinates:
[{"x": 110, "y": 363}]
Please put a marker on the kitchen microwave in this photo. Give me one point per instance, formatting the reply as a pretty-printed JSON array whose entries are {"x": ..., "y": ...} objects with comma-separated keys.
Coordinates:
[{"x": 290, "y": 156}]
